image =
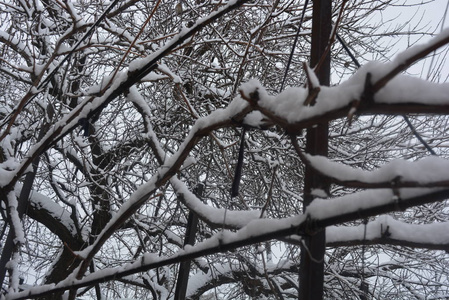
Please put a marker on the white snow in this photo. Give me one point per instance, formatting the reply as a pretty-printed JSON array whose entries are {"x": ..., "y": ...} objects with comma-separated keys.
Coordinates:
[
  {"x": 402, "y": 89},
  {"x": 23, "y": 49},
  {"x": 15, "y": 219},
  {"x": 258, "y": 227},
  {"x": 424, "y": 171},
  {"x": 6, "y": 171},
  {"x": 312, "y": 76},
  {"x": 254, "y": 119},
  {"x": 324, "y": 208},
  {"x": 290, "y": 106},
  {"x": 408, "y": 89},
  {"x": 235, "y": 219},
  {"x": 40, "y": 201},
  {"x": 434, "y": 233}
]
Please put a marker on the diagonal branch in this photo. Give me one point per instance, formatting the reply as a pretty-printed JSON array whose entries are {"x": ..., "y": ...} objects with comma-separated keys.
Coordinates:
[
  {"x": 94, "y": 106},
  {"x": 412, "y": 55},
  {"x": 319, "y": 214},
  {"x": 202, "y": 127}
]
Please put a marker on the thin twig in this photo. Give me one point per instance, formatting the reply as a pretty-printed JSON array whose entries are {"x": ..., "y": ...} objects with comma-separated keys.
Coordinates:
[
  {"x": 355, "y": 104},
  {"x": 332, "y": 37},
  {"x": 294, "y": 45},
  {"x": 418, "y": 136},
  {"x": 399, "y": 182},
  {"x": 132, "y": 44},
  {"x": 408, "y": 61},
  {"x": 270, "y": 193},
  {"x": 31, "y": 94}
]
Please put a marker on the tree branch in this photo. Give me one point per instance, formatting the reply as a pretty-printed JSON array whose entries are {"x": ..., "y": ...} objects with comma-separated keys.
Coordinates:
[{"x": 318, "y": 215}]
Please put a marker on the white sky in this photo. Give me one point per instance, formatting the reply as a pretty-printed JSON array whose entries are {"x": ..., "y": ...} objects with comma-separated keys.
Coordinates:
[
  {"x": 431, "y": 14},
  {"x": 429, "y": 18}
]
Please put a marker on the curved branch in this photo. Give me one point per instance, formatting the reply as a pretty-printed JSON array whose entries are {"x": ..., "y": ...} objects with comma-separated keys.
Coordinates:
[
  {"x": 53, "y": 216},
  {"x": 202, "y": 127},
  {"x": 388, "y": 231},
  {"x": 319, "y": 214},
  {"x": 93, "y": 107}
]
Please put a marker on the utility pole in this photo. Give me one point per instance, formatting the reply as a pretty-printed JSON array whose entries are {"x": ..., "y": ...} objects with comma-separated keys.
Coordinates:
[{"x": 312, "y": 253}]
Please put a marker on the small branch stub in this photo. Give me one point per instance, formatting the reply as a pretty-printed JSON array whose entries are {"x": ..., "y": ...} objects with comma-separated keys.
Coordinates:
[
  {"x": 313, "y": 86},
  {"x": 253, "y": 97},
  {"x": 352, "y": 111},
  {"x": 368, "y": 94}
]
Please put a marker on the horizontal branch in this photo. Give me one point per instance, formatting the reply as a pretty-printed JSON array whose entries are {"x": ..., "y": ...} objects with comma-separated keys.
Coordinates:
[
  {"x": 388, "y": 231},
  {"x": 319, "y": 214},
  {"x": 376, "y": 88},
  {"x": 385, "y": 240},
  {"x": 395, "y": 174},
  {"x": 288, "y": 111}
]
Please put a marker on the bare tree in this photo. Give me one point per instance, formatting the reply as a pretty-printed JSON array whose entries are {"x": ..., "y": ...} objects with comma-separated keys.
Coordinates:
[{"x": 111, "y": 116}]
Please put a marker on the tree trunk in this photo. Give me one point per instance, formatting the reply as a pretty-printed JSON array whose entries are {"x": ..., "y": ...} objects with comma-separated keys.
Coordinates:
[{"x": 312, "y": 251}]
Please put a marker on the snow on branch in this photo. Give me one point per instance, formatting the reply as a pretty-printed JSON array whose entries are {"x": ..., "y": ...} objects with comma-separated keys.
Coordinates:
[
  {"x": 319, "y": 214},
  {"x": 215, "y": 217},
  {"x": 219, "y": 274},
  {"x": 210, "y": 215},
  {"x": 236, "y": 111},
  {"x": 427, "y": 172},
  {"x": 57, "y": 219},
  {"x": 375, "y": 88},
  {"x": 122, "y": 83},
  {"x": 386, "y": 230},
  {"x": 408, "y": 57},
  {"x": 17, "y": 45}
]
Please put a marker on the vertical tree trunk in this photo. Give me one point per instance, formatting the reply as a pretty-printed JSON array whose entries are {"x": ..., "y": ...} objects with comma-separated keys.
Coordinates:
[
  {"x": 9, "y": 246},
  {"x": 184, "y": 268},
  {"x": 312, "y": 253}
]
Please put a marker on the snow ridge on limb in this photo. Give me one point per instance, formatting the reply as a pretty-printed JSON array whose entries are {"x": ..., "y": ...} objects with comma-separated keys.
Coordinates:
[
  {"x": 375, "y": 88},
  {"x": 386, "y": 230},
  {"x": 210, "y": 215},
  {"x": 398, "y": 202},
  {"x": 320, "y": 213},
  {"x": 44, "y": 205},
  {"x": 433, "y": 172},
  {"x": 220, "y": 118},
  {"x": 136, "y": 71}
]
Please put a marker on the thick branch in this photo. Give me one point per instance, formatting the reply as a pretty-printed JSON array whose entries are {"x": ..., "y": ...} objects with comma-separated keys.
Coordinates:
[
  {"x": 255, "y": 233},
  {"x": 117, "y": 88},
  {"x": 396, "y": 174},
  {"x": 374, "y": 108},
  {"x": 388, "y": 231},
  {"x": 164, "y": 173}
]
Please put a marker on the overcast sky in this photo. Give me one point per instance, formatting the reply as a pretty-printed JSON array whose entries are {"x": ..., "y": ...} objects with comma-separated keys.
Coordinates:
[{"x": 430, "y": 17}]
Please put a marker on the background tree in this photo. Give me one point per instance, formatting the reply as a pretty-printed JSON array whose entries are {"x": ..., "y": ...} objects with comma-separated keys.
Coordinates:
[{"x": 99, "y": 100}]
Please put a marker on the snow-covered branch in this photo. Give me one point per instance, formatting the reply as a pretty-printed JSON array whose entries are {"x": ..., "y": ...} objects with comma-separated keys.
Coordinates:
[
  {"x": 427, "y": 172},
  {"x": 361, "y": 94},
  {"x": 386, "y": 230},
  {"x": 235, "y": 112},
  {"x": 94, "y": 105},
  {"x": 158, "y": 94},
  {"x": 319, "y": 214}
]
